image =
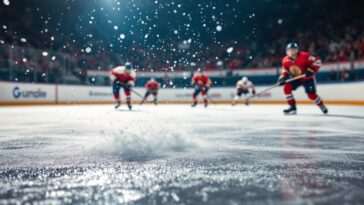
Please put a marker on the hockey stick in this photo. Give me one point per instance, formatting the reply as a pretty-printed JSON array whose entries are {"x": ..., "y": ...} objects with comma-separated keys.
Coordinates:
[
  {"x": 274, "y": 86},
  {"x": 135, "y": 92},
  {"x": 210, "y": 99}
]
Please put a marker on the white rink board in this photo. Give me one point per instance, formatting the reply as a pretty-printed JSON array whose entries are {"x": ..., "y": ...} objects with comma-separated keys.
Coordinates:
[
  {"x": 77, "y": 93},
  {"x": 27, "y": 92}
]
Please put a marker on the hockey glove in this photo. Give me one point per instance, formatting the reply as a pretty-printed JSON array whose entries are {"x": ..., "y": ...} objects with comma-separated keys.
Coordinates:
[
  {"x": 282, "y": 80},
  {"x": 116, "y": 82},
  {"x": 310, "y": 72}
]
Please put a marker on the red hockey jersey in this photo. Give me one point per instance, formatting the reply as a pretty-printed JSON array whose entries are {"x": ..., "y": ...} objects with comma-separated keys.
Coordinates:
[
  {"x": 119, "y": 73},
  {"x": 202, "y": 81},
  {"x": 152, "y": 85},
  {"x": 299, "y": 66}
]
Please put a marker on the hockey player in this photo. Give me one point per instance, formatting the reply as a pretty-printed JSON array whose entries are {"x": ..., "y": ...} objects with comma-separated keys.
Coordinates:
[
  {"x": 152, "y": 87},
  {"x": 243, "y": 86},
  {"x": 296, "y": 63},
  {"x": 201, "y": 84},
  {"x": 123, "y": 77}
]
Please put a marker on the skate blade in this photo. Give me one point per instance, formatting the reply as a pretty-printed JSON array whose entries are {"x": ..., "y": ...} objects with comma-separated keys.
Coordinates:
[{"x": 291, "y": 113}]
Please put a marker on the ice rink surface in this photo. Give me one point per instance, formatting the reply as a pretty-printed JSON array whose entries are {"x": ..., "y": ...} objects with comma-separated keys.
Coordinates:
[{"x": 174, "y": 154}]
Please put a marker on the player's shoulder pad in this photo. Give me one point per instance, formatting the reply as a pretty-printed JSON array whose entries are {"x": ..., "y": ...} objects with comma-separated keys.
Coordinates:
[
  {"x": 285, "y": 59},
  {"x": 305, "y": 54},
  {"x": 119, "y": 69}
]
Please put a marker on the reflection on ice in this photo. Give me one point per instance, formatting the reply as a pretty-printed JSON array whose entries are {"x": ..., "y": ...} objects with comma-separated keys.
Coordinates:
[{"x": 178, "y": 155}]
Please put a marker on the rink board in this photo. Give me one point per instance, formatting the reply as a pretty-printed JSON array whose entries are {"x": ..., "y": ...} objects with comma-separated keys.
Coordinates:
[{"x": 13, "y": 93}]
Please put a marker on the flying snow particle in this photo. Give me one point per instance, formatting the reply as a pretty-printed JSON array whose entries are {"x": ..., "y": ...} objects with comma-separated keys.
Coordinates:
[
  {"x": 6, "y": 2},
  {"x": 24, "y": 60},
  {"x": 218, "y": 28},
  {"x": 45, "y": 53},
  {"x": 88, "y": 50},
  {"x": 2, "y": 42},
  {"x": 116, "y": 27},
  {"x": 53, "y": 58},
  {"x": 229, "y": 50},
  {"x": 52, "y": 38},
  {"x": 122, "y": 36},
  {"x": 23, "y": 40},
  {"x": 280, "y": 21}
]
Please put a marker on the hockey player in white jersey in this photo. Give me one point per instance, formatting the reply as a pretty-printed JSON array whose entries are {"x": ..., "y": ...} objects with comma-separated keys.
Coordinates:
[{"x": 243, "y": 86}]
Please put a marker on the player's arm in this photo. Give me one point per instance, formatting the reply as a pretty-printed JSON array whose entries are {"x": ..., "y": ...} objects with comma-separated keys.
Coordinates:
[
  {"x": 284, "y": 75},
  {"x": 237, "y": 85},
  {"x": 131, "y": 81},
  {"x": 314, "y": 64},
  {"x": 112, "y": 76},
  {"x": 208, "y": 83},
  {"x": 193, "y": 81}
]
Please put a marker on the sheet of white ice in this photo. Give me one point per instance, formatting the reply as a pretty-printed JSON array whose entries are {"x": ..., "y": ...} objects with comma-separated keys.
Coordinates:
[{"x": 177, "y": 154}]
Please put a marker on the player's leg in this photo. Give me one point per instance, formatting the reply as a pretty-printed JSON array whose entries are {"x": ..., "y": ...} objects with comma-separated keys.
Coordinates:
[
  {"x": 237, "y": 96},
  {"x": 288, "y": 92},
  {"x": 145, "y": 97},
  {"x": 194, "y": 96},
  {"x": 246, "y": 92},
  {"x": 155, "y": 94},
  {"x": 115, "y": 91},
  {"x": 128, "y": 97},
  {"x": 204, "y": 96},
  {"x": 310, "y": 88}
]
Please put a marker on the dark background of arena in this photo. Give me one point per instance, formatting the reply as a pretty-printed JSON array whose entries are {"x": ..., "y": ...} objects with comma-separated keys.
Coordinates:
[{"x": 59, "y": 41}]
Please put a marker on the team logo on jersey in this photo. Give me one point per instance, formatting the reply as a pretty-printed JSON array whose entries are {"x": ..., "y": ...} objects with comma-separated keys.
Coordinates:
[{"x": 295, "y": 70}]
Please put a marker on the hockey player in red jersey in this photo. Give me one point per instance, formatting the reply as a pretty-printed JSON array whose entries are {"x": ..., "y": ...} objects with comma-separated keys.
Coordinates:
[
  {"x": 201, "y": 84},
  {"x": 152, "y": 87},
  {"x": 296, "y": 63},
  {"x": 123, "y": 77},
  {"x": 243, "y": 86}
]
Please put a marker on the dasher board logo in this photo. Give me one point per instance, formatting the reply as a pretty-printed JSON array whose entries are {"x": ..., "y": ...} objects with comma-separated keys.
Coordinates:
[{"x": 35, "y": 94}]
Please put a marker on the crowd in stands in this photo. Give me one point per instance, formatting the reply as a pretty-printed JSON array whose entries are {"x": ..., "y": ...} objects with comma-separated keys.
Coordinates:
[{"x": 331, "y": 41}]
